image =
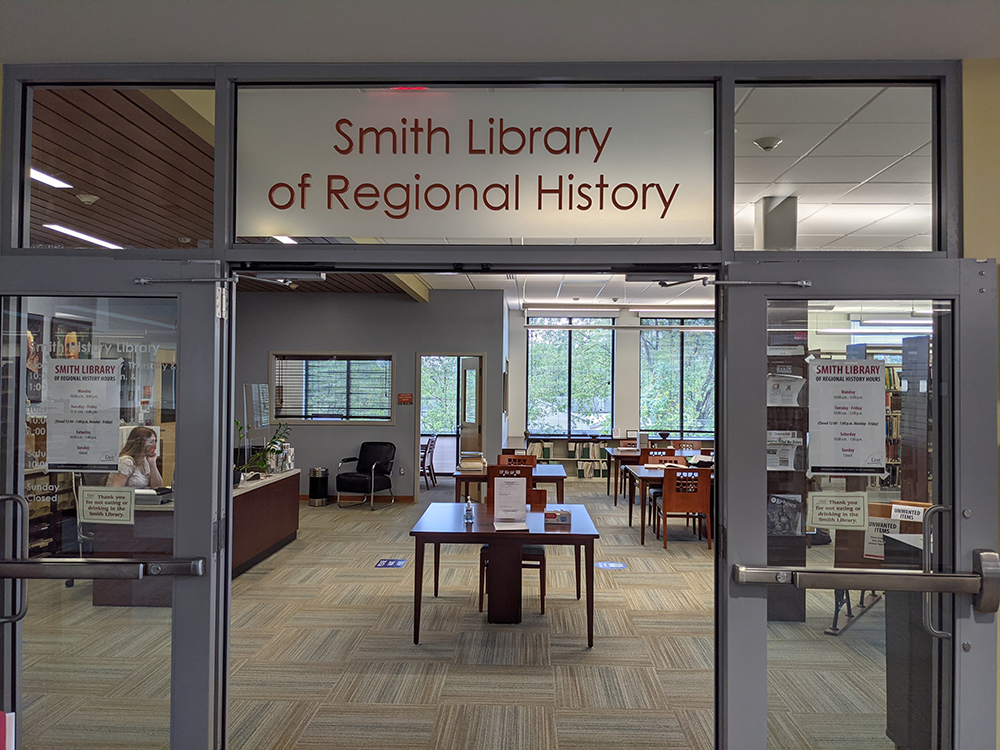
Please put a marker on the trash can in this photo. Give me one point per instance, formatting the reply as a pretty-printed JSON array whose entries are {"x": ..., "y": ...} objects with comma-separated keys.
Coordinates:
[{"x": 319, "y": 479}]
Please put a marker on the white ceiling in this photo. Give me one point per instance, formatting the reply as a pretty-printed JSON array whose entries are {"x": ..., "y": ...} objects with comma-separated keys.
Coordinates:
[
  {"x": 581, "y": 290},
  {"x": 497, "y": 31}
]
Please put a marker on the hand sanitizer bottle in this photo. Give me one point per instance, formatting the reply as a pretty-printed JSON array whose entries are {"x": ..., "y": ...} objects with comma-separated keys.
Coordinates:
[{"x": 468, "y": 511}]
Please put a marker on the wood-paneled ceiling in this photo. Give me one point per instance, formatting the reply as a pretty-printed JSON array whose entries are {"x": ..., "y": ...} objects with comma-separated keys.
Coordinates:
[{"x": 141, "y": 166}]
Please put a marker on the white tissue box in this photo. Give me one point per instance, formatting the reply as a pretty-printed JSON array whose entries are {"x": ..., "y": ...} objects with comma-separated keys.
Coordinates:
[{"x": 559, "y": 517}]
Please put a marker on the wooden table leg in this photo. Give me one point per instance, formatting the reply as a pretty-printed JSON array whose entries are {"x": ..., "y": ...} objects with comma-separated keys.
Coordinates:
[
  {"x": 631, "y": 498},
  {"x": 642, "y": 513},
  {"x": 590, "y": 592},
  {"x": 418, "y": 584},
  {"x": 437, "y": 565},
  {"x": 608, "y": 460},
  {"x": 615, "y": 468},
  {"x": 458, "y": 489},
  {"x": 576, "y": 549},
  {"x": 559, "y": 490}
]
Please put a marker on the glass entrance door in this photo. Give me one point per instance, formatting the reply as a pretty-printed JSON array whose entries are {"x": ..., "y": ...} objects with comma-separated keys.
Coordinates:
[
  {"x": 859, "y": 486},
  {"x": 111, "y": 504}
]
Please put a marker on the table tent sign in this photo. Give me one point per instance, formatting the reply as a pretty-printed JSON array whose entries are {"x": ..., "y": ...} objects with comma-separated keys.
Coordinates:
[{"x": 476, "y": 164}]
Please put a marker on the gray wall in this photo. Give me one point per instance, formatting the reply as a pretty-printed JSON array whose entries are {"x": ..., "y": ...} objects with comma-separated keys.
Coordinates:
[{"x": 453, "y": 322}]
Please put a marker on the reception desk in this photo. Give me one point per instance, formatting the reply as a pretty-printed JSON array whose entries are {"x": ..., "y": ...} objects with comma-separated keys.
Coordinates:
[{"x": 265, "y": 519}]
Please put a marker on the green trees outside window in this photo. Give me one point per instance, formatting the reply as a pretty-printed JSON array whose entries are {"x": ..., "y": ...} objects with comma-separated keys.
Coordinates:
[
  {"x": 438, "y": 395},
  {"x": 677, "y": 376},
  {"x": 570, "y": 377}
]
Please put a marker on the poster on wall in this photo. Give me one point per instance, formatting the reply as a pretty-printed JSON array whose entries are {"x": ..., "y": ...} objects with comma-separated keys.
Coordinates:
[
  {"x": 846, "y": 417},
  {"x": 82, "y": 407},
  {"x": 33, "y": 359},
  {"x": 71, "y": 338}
]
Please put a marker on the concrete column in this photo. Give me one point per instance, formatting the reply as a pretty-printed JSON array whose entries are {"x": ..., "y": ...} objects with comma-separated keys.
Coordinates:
[{"x": 775, "y": 225}]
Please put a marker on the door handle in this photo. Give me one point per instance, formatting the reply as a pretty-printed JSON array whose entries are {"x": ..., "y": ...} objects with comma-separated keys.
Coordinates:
[
  {"x": 983, "y": 583},
  {"x": 21, "y": 569},
  {"x": 22, "y": 607}
]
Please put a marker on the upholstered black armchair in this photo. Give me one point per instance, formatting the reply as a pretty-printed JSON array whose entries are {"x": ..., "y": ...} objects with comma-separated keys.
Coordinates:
[{"x": 372, "y": 474}]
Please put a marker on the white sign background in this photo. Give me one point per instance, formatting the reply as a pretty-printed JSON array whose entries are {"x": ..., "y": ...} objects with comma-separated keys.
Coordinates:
[
  {"x": 661, "y": 139},
  {"x": 107, "y": 505},
  {"x": 83, "y": 409},
  {"x": 847, "y": 416}
]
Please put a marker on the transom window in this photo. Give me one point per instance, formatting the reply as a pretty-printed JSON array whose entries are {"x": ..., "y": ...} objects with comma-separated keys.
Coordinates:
[{"x": 340, "y": 387}]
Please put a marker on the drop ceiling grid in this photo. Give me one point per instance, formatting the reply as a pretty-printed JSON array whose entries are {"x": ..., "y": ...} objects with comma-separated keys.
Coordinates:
[{"x": 847, "y": 146}]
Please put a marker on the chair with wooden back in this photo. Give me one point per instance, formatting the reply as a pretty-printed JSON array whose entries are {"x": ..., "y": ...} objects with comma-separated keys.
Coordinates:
[
  {"x": 656, "y": 456},
  {"x": 685, "y": 492},
  {"x": 532, "y": 555},
  {"x": 427, "y": 462},
  {"x": 686, "y": 445}
]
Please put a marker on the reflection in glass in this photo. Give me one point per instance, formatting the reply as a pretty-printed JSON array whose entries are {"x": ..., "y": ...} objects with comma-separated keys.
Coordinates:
[
  {"x": 855, "y": 454},
  {"x": 93, "y": 392}
]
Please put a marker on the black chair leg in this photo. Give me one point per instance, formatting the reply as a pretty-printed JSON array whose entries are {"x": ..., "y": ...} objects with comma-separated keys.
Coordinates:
[{"x": 541, "y": 573}]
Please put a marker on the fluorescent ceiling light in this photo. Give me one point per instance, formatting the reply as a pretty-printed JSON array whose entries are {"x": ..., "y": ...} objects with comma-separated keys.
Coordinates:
[
  {"x": 48, "y": 179},
  {"x": 285, "y": 240},
  {"x": 82, "y": 236},
  {"x": 896, "y": 322},
  {"x": 873, "y": 331}
]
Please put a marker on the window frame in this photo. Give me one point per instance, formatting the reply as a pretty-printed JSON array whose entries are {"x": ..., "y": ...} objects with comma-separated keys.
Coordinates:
[
  {"x": 650, "y": 323},
  {"x": 273, "y": 358},
  {"x": 569, "y": 327}
]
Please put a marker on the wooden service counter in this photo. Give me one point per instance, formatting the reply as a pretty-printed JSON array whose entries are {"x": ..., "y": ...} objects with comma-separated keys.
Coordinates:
[{"x": 265, "y": 519}]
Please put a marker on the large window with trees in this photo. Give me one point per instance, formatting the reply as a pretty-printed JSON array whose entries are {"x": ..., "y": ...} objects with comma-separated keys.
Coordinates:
[
  {"x": 677, "y": 376},
  {"x": 570, "y": 376}
]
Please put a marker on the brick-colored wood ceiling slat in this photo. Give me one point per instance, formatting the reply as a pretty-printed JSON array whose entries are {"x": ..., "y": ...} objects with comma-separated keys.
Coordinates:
[
  {"x": 153, "y": 176},
  {"x": 346, "y": 283}
]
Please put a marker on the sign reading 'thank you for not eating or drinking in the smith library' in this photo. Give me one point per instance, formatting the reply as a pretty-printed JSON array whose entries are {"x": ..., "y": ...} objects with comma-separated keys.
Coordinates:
[{"x": 476, "y": 164}]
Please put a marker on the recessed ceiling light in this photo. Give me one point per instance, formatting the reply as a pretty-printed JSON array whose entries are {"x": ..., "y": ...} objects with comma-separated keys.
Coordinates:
[
  {"x": 767, "y": 143},
  {"x": 87, "y": 199},
  {"x": 48, "y": 179},
  {"x": 81, "y": 236},
  {"x": 285, "y": 240}
]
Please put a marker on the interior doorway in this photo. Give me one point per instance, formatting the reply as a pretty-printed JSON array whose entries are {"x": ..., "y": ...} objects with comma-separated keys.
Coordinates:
[{"x": 449, "y": 400}]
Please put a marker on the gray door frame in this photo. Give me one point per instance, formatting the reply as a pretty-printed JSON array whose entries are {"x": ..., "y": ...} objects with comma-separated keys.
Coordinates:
[
  {"x": 200, "y": 611},
  {"x": 971, "y": 286}
]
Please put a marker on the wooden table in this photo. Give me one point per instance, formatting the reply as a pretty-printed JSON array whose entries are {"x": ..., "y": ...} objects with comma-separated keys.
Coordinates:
[
  {"x": 540, "y": 474},
  {"x": 646, "y": 479},
  {"x": 442, "y": 523},
  {"x": 619, "y": 457}
]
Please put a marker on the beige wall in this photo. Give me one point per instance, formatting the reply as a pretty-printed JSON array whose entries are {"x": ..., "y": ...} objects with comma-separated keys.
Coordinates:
[{"x": 981, "y": 145}]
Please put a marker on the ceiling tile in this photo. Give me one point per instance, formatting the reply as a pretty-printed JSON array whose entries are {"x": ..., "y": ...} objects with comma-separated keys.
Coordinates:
[
  {"x": 796, "y": 138},
  {"x": 875, "y": 139},
  {"x": 900, "y": 104},
  {"x": 843, "y": 219},
  {"x": 836, "y": 169},
  {"x": 905, "y": 222},
  {"x": 764, "y": 168},
  {"x": 803, "y": 104},
  {"x": 889, "y": 192},
  {"x": 865, "y": 242},
  {"x": 910, "y": 169}
]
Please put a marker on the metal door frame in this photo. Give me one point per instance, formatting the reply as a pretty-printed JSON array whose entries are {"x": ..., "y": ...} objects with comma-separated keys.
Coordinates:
[
  {"x": 199, "y": 625},
  {"x": 741, "y": 643}
]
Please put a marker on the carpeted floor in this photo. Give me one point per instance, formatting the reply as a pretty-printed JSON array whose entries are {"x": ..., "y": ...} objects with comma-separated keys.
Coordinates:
[{"x": 322, "y": 653}]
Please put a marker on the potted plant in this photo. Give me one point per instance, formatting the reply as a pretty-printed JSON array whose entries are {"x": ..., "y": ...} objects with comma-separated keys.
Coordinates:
[{"x": 260, "y": 459}]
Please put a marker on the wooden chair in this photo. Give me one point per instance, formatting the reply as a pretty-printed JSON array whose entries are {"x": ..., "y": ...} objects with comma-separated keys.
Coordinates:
[
  {"x": 686, "y": 445},
  {"x": 687, "y": 492},
  {"x": 427, "y": 462},
  {"x": 532, "y": 555}
]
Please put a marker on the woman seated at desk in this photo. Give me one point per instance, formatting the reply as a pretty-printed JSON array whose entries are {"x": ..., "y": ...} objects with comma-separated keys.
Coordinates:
[{"x": 137, "y": 462}]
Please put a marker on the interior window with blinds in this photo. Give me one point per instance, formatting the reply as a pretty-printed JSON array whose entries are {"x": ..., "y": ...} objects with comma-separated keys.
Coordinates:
[{"x": 344, "y": 387}]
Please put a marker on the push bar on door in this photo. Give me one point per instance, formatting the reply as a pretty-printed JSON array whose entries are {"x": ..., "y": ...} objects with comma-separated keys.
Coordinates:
[
  {"x": 101, "y": 568},
  {"x": 984, "y": 584}
]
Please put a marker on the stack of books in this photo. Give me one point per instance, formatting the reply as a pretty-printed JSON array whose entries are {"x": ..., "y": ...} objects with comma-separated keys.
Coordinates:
[{"x": 472, "y": 460}]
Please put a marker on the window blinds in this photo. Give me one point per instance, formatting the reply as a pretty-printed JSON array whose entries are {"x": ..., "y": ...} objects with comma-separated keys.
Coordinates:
[{"x": 333, "y": 386}]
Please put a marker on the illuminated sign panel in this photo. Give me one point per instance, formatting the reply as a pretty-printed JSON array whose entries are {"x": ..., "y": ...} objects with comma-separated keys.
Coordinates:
[{"x": 476, "y": 164}]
